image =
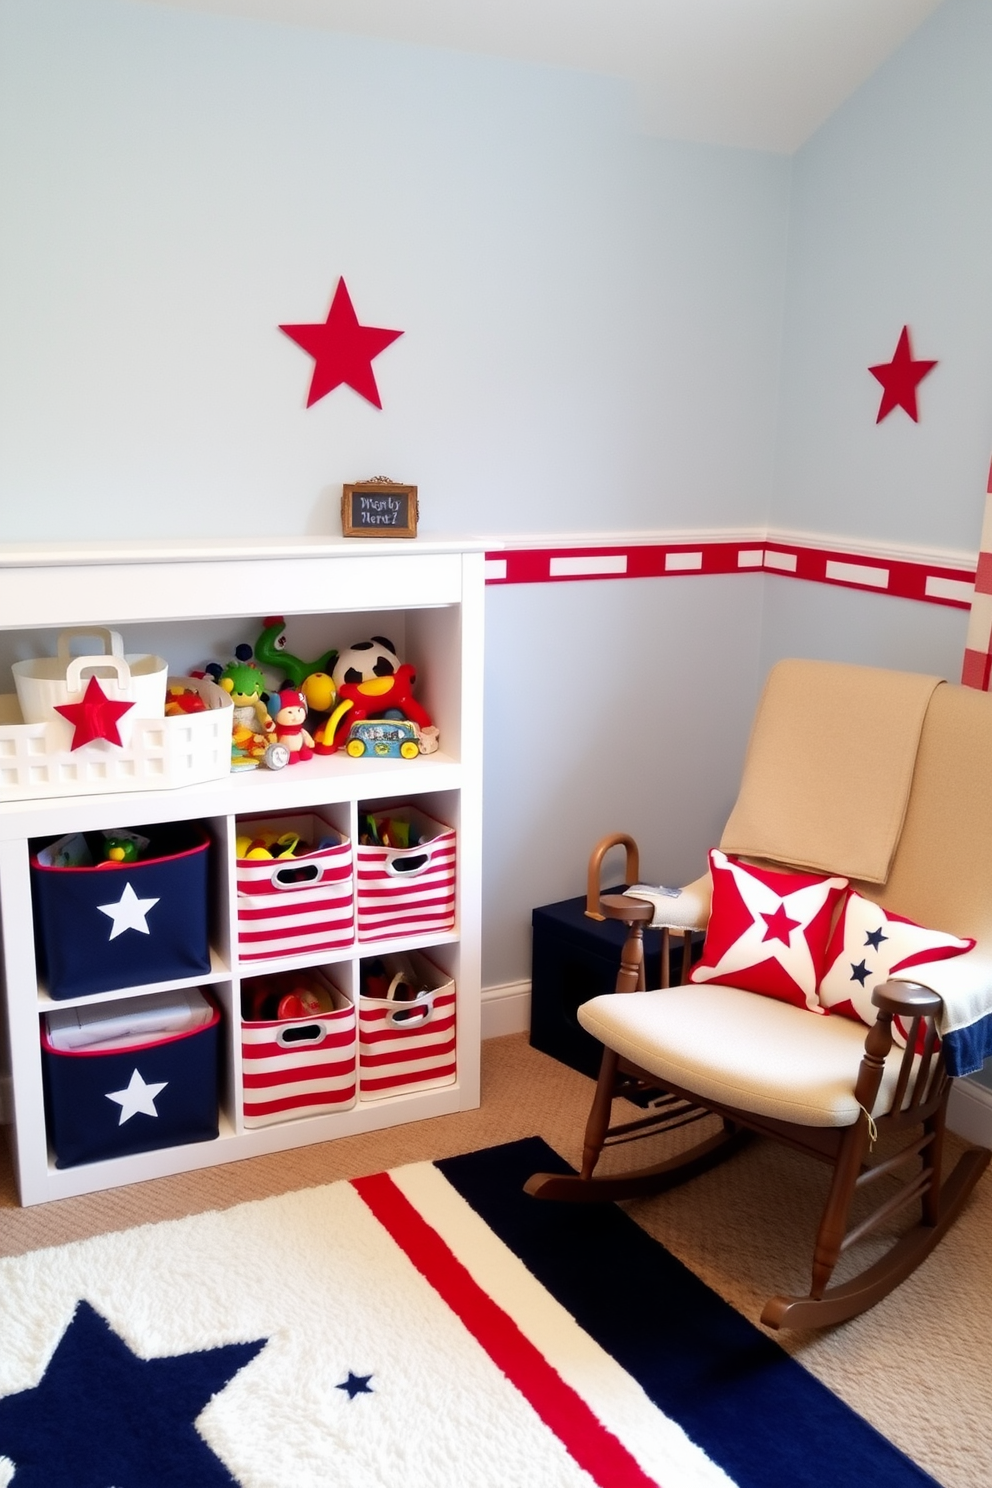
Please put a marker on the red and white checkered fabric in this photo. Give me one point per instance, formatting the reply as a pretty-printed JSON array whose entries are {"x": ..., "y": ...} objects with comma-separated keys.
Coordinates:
[
  {"x": 977, "y": 668},
  {"x": 299, "y": 1066},
  {"x": 292, "y": 906},
  {"x": 406, "y": 891}
]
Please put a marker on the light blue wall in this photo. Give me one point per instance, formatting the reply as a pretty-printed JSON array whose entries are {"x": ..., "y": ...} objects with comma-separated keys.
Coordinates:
[
  {"x": 591, "y": 318},
  {"x": 800, "y": 619},
  {"x": 628, "y": 712},
  {"x": 891, "y": 224}
]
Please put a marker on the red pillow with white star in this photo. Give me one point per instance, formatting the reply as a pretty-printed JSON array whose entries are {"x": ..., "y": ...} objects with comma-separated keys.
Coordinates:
[
  {"x": 868, "y": 945},
  {"x": 768, "y": 930}
]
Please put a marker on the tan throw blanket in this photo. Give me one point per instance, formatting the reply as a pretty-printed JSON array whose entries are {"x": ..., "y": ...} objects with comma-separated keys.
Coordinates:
[{"x": 818, "y": 793}]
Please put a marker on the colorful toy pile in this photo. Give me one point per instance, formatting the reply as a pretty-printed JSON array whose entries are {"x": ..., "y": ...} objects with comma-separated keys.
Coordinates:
[
  {"x": 265, "y": 707},
  {"x": 359, "y": 701},
  {"x": 272, "y": 846}
]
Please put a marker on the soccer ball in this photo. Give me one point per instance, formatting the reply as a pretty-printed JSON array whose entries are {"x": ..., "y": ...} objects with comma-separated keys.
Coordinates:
[{"x": 365, "y": 660}]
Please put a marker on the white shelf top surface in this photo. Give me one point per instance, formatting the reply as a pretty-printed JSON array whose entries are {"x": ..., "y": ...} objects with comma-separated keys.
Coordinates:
[{"x": 217, "y": 549}]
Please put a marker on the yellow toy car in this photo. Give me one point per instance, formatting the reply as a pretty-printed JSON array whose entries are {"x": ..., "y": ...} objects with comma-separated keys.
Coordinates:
[{"x": 383, "y": 738}]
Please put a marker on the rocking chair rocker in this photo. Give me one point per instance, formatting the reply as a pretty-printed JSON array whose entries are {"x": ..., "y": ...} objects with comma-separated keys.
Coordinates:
[{"x": 884, "y": 778}]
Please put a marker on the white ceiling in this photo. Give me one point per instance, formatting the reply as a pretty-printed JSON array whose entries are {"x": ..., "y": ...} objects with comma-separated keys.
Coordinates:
[{"x": 761, "y": 74}]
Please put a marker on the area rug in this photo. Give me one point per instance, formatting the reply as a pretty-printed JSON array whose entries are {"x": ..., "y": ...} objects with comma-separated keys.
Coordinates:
[{"x": 431, "y": 1327}]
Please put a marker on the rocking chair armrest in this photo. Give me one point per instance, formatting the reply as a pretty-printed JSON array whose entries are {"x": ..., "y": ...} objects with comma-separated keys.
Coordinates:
[
  {"x": 630, "y": 911},
  {"x": 632, "y": 868},
  {"x": 907, "y": 1000}
]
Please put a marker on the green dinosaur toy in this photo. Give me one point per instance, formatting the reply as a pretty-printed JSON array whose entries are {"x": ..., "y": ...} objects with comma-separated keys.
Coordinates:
[{"x": 270, "y": 651}]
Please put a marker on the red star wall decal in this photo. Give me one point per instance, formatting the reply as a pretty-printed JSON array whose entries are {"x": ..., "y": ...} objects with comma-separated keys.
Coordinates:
[
  {"x": 95, "y": 717},
  {"x": 900, "y": 378},
  {"x": 342, "y": 350}
]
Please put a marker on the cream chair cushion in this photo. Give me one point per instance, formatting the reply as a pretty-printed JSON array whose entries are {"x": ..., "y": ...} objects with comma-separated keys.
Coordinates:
[{"x": 738, "y": 1049}]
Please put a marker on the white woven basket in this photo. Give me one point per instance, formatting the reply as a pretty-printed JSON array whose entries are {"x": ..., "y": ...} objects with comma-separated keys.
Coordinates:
[
  {"x": 45, "y": 683},
  {"x": 37, "y": 759}
]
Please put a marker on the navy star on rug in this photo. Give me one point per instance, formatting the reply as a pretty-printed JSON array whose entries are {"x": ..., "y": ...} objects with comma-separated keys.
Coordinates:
[
  {"x": 102, "y": 1415},
  {"x": 356, "y": 1384}
]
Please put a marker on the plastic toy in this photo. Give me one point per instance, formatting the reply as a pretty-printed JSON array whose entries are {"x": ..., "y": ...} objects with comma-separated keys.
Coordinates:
[
  {"x": 270, "y": 651},
  {"x": 123, "y": 847},
  {"x": 319, "y": 691},
  {"x": 268, "y": 845},
  {"x": 390, "y": 696},
  {"x": 285, "y": 996},
  {"x": 384, "y": 738},
  {"x": 290, "y": 714},
  {"x": 363, "y": 660},
  {"x": 250, "y": 750},
  {"x": 179, "y": 700},
  {"x": 388, "y": 831},
  {"x": 378, "y": 981}
]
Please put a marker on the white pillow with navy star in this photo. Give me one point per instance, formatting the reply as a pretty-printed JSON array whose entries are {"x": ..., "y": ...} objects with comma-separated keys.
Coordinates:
[{"x": 869, "y": 944}]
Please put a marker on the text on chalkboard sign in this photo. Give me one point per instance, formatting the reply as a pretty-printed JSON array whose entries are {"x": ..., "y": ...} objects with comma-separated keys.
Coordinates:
[{"x": 379, "y": 508}]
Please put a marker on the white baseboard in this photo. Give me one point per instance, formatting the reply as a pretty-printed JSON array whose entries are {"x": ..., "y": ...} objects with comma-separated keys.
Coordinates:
[
  {"x": 505, "y": 1009},
  {"x": 969, "y": 1112}
]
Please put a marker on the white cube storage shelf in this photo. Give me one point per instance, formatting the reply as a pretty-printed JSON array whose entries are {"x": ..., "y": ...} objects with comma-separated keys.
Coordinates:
[{"x": 191, "y": 602}]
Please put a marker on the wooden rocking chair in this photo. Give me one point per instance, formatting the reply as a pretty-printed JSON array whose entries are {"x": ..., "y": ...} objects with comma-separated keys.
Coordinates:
[{"x": 905, "y": 815}]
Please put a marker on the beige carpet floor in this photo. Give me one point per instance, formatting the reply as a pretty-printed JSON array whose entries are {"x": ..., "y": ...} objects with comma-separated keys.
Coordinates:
[{"x": 919, "y": 1365}]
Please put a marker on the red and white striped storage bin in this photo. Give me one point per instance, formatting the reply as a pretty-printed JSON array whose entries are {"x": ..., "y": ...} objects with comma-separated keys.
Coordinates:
[
  {"x": 409, "y": 1044},
  {"x": 293, "y": 1067},
  {"x": 406, "y": 891},
  {"x": 291, "y": 906}
]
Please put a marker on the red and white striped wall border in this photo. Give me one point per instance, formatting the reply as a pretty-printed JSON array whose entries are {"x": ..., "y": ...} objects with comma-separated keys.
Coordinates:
[{"x": 902, "y": 578}]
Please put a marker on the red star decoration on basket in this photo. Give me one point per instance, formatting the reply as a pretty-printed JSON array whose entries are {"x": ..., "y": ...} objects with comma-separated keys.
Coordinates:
[
  {"x": 900, "y": 379},
  {"x": 95, "y": 717},
  {"x": 343, "y": 351}
]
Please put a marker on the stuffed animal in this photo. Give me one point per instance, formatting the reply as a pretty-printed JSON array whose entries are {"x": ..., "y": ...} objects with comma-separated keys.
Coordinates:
[
  {"x": 246, "y": 685},
  {"x": 289, "y": 710}
]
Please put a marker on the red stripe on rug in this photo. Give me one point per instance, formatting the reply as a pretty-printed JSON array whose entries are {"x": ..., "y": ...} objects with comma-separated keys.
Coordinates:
[{"x": 587, "y": 1440}]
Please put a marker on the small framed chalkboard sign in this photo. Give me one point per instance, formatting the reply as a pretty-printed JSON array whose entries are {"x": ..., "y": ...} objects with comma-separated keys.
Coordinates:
[{"x": 379, "y": 508}]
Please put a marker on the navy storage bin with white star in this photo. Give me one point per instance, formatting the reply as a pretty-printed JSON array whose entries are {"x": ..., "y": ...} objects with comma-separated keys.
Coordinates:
[
  {"x": 112, "y": 1104},
  {"x": 118, "y": 925}
]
